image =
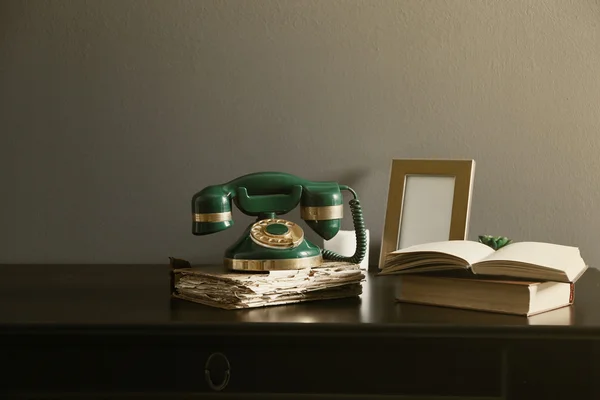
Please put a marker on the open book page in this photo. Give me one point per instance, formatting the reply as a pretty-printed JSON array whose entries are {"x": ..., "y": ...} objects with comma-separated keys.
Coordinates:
[
  {"x": 469, "y": 252},
  {"x": 536, "y": 255}
]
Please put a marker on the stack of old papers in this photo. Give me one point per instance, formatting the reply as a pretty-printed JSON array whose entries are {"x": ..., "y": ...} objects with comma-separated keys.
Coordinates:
[{"x": 233, "y": 290}]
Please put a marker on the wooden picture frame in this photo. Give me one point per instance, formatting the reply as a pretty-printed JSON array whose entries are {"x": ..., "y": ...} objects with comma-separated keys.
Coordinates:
[{"x": 428, "y": 200}]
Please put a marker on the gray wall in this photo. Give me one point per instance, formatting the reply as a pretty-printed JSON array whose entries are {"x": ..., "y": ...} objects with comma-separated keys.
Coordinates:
[{"x": 113, "y": 113}]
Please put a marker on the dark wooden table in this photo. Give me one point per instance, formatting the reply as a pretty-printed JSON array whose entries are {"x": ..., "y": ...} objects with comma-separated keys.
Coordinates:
[{"x": 112, "y": 331}]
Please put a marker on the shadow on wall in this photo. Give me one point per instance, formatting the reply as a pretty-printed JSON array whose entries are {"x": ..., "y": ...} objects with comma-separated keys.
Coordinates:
[{"x": 9, "y": 10}]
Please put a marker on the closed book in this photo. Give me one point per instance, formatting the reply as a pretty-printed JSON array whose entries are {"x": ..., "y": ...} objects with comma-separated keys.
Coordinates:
[{"x": 519, "y": 297}]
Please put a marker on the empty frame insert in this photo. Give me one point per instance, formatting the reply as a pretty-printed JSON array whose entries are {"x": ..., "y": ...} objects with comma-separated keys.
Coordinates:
[{"x": 428, "y": 201}]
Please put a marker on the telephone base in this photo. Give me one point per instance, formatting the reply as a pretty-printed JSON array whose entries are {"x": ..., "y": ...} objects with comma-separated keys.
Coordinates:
[
  {"x": 273, "y": 265},
  {"x": 257, "y": 249}
]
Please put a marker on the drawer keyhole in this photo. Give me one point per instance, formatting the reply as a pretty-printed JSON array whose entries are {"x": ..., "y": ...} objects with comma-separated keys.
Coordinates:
[{"x": 217, "y": 371}]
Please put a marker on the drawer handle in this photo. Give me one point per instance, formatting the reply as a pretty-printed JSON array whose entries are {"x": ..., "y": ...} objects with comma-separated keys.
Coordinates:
[{"x": 216, "y": 363}]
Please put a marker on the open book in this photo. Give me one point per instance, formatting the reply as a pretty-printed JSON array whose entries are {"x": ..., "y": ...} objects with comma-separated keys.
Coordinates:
[{"x": 528, "y": 260}]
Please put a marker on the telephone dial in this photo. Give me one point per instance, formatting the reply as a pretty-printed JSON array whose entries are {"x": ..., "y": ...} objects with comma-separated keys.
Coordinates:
[{"x": 272, "y": 242}]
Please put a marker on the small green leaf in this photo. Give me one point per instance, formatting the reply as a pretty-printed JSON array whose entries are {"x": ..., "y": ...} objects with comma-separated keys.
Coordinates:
[{"x": 495, "y": 242}]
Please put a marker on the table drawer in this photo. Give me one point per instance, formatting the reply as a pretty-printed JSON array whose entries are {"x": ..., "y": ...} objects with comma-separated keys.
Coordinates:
[{"x": 278, "y": 365}]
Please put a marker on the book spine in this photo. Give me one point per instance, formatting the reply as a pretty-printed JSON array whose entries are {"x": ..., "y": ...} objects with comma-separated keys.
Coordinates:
[
  {"x": 572, "y": 294},
  {"x": 176, "y": 264}
]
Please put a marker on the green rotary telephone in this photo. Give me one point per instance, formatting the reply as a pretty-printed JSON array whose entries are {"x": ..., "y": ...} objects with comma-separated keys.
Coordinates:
[{"x": 271, "y": 242}]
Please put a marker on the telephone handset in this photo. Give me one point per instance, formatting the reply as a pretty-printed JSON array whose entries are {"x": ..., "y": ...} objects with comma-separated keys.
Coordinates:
[{"x": 271, "y": 242}]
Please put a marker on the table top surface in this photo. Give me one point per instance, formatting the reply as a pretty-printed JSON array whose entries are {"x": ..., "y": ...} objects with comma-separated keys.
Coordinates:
[{"x": 138, "y": 297}]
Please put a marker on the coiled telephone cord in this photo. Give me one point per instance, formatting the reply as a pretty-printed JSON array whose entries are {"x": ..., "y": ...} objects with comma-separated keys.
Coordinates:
[{"x": 359, "y": 229}]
